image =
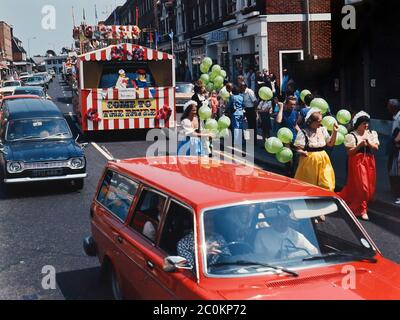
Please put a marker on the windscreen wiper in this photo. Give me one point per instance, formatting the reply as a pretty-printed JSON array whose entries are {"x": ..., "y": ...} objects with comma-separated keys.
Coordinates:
[
  {"x": 329, "y": 255},
  {"x": 253, "y": 263},
  {"x": 26, "y": 138}
]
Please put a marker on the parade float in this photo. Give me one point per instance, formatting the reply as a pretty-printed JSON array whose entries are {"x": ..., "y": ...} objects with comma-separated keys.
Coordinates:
[{"x": 121, "y": 84}]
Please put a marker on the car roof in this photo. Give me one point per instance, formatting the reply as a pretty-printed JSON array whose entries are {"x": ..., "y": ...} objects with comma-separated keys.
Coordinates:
[
  {"x": 210, "y": 184},
  {"x": 31, "y": 108},
  {"x": 30, "y": 88},
  {"x": 21, "y": 96}
]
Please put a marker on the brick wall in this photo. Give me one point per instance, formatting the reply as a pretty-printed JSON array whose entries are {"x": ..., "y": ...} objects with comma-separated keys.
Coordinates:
[
  {"x": 296, "y": 6},
  {"x": 292, "y": 36},
  {"x": 5, "y": 40}
]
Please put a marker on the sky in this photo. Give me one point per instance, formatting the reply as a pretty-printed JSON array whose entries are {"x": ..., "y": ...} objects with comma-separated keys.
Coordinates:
[{"x": 28, "y": 20}]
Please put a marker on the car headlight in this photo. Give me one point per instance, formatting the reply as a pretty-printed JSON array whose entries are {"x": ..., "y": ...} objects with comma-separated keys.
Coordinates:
[
  {"x": 77, "y": 163},
  {"x": 15, "y": 167}
]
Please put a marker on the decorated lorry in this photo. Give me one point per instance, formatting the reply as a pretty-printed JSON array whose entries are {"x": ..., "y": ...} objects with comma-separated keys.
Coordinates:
[{"x": 125, "y": 86}]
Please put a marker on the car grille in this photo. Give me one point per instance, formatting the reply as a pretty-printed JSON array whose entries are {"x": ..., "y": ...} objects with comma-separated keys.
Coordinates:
[{"x": 46, "y": 165}]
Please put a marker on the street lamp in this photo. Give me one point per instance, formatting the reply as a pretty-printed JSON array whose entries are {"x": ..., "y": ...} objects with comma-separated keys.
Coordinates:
[{"x": 29, "y": 45}]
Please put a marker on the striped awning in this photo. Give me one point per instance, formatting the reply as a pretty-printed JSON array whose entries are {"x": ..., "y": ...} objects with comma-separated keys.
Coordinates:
[{"x": 105, "y": 54}]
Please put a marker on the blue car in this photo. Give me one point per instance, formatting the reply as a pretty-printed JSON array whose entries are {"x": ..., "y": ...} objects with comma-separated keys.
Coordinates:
[{"x": 36, "y": 144}]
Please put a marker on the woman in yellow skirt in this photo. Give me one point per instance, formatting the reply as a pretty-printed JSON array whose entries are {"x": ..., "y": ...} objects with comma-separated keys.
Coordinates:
[{"x": 315, "y": 166}]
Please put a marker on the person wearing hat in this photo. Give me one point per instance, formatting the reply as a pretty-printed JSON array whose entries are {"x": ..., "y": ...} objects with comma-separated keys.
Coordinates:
[
  {"x": 315, "y": 166},
  {"x": 280, "y": 241},
  {"x": 141, "y": 80},
  {"x": 122, "y": 82},
  {"x": 361, "y": 180},
  {"x": 190, "y": 135}
]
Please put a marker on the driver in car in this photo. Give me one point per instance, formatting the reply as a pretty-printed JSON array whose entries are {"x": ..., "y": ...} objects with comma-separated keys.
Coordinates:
[{"x": 279, "y": 241}]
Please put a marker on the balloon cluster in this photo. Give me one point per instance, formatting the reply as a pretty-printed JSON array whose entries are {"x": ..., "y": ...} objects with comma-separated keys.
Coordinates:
[
  {"x": 275, "y": 145},
  {"x": 343, "y": 117},
  {"x": 213, "y": 76},
  {"x": 219, "y": 128}
]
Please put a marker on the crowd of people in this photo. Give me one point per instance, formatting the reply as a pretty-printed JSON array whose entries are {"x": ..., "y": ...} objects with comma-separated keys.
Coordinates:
[{"x": 312, "y": 143}]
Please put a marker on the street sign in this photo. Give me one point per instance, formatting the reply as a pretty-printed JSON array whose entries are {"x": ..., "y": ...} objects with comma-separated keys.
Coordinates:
[{"x": 197, "y": 42}]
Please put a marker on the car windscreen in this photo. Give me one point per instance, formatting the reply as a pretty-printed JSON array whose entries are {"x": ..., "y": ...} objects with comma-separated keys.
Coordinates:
[
  {"x": 35, "y": 79},
  {"x": 11, "y": 84},
  {"x": 184, "y": 88},
  {"x": 245, "y": 239},
  {"x": 35, "y": 92},
  {"x": 38, "y": 129}
]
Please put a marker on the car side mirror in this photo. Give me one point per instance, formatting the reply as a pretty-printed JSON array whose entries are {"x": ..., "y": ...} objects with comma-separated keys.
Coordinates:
[{"x": 174, "y": 263}]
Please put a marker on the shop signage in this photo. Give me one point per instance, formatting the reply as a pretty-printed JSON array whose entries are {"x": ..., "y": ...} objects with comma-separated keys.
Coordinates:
[
  {"x": 180, "y": 47},
  {"x": 197, "y": 42},
  {"x": 218, "y": 36}
]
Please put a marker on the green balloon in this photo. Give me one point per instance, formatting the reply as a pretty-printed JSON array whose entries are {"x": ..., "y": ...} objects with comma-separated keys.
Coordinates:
[
  {"x": 204, "y": 68},
  {"x": 343, "y": 116},
  {"x": 339, "y": 139},
  {"x": 205, "y": 78},
  {"x": 265, "y": 93},
  {"x": 224, "y": 94},
  {"x": 218, "y": 86},
  {"x": 205, "y": 113},
  {"x": 207, "y": 62},
  {"x": 320, "y": 104},
  {"x": 223, "y": 74},
  {"x": 216, "y": 68},
  {"x": 224, "y": 133},
  {"x": 285, "y": 155},
  {"x": 211, "y": 125},
  {"x": 343, "y": 130},
  {"x": 285, "y": 135},
  {"x": 273, "y": 145},
  {"x": 218, "y": 80},
  {"x": 212, "y": 76},
  {"x": 224, "y": 123},
  {"x": 328, "y": 122},
  {"x": 210, "y": 87},
  {"x": 304, "y": 93}
]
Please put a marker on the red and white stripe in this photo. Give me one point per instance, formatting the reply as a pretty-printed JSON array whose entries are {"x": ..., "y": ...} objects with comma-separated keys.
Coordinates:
[
  {"x": 95, "y": 97},
  {"x": 105, "y": 53}
]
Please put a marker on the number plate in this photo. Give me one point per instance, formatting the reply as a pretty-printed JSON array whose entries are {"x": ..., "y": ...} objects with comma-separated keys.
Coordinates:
[{"x": 47, "y": 173}]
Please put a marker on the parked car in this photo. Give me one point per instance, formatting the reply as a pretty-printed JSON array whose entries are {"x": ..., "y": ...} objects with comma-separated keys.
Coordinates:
[
  {"x": 184, "y": 93},
  {"x": 37, "y": 81},
  {"x": 37, "y": 91},
  {"x": 24, "y": 74},
  {"x": 47, "y": 76},
  {"x": 37, "y": 145},
  {"x": 52, "y": 73},
  {"x": 24, "y": 78},
  {"x": 9, "y": 86},
  {"x": 193, "y": 230}
]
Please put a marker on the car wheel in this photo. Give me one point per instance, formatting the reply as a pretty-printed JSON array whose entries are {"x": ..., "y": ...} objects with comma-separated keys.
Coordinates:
[
  {"x": 114, "y": 285},
  {"x": 78, "y": 184}
]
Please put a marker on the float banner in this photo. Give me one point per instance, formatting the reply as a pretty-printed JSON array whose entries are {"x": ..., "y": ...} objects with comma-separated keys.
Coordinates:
[{"x": 129, "y": 109}]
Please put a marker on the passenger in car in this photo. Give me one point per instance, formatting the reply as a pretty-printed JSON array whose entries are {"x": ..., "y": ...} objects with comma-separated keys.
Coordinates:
[
  {"x": 154, "y": 215},
  {"x": 279, "y": 241},
  {"x": 215, "y": 245}
]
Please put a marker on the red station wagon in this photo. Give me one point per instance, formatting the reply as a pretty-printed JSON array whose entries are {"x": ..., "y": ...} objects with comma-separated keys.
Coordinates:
[{"x": 190, "y": 230}]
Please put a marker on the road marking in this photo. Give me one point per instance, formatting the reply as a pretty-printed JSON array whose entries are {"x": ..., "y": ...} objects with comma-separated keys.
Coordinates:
[{"x": 105, "y": 154}]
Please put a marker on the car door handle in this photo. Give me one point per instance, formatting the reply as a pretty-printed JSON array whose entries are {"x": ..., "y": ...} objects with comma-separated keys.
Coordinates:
[
  {"x": 120, "y": 239},
  {"x": 150, "y": 264}
]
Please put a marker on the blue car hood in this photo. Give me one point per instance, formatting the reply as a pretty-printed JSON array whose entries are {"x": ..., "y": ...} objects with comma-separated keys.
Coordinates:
[{"x": 35, "y": 151}]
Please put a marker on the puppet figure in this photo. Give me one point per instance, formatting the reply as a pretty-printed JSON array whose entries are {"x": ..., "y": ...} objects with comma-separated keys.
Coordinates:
[{"x": 122, "y": 82}]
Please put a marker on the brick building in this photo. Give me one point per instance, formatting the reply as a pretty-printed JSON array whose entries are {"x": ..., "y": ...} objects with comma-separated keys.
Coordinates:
[
  {"x": 238, "y": 34},
  {"x": 6, "y": 54}
]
